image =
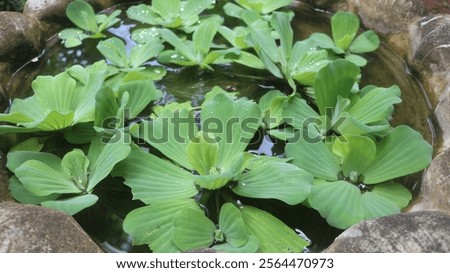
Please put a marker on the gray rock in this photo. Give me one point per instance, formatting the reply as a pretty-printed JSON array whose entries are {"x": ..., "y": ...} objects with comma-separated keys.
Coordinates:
[
  {"x": 4, "y": 192},
  {"x": 388, "y": 16},
  {"x": 20, "y": 38},
  {"x": 435, "y": 190},
  {"x": 424, "y": 232},
  {"x": 442, "y": 114},
  {"x": 324, "y": 4},
  {"x": 29, "y": 229},
  {"x": 430, "y": 53},
  {"x": 46, "y": 10}
]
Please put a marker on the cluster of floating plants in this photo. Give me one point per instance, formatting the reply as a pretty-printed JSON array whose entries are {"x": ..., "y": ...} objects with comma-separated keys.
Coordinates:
[{"x": 190, "y": 166}]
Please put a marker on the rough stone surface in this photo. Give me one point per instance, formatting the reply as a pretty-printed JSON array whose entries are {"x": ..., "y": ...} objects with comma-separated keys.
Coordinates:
[
  {"x": 435, "y": 190},
  {"x": 46, "y": 10},
  {"x": 4, "y": 192},
  {"x": 388, "y": 16},
  {"x": 430, "y": 53},
  {"x": 20, "y": 38},
  {"x": 424, "y": 232},
  {"x": 30, "y": 229},
  {"x": 442, "y": 114}
]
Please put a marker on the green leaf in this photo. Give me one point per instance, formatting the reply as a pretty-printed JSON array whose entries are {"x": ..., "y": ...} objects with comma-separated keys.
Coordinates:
[
  {"x": 192, "y": 230},
  {"x": 263, "y": 38},
  {"x": 394, "y": 192},
  {"x": 32, "y": 144},
  {"x": 153, "y": 224},
  {"x": 178, "y": 44},
  {"x": 144, "y": 14},
  {"x": 376, "y": 206},
  {"x": 249, "y": 60},
  {"x": 15, "y": 159},
  {"x": 141, "y": 53},
  {"x": 356, "y": 59},
  {"x": 143, "y": 35},
  {"x": 344, "y": 26},
  {"x": 366, "y": 42},
  {"x": 272, "y": 234},
  {"x": 251, "y": 246},
  {"x": 114, "y": 50},
  {"x": 232, "y": 10},
  {"x": 42, "y": 180},
  {"x": 203, "y": 152},
  {"x": 306, "y": 63},
  {"x": 167, "y": 9},
  {"x": 323, "y": 40},
  {"x": 203, "y": 37},
  {"x": 75, "y": 164},
  {"x": 376, "y": 105},
  {"x": 334, "y": 80},
  {"x": 272, "y": 106},
  {"x": 233, "y": 122},
  {"x": 281, "y": 22},
  {"x": 282, "y": 181},
  {"x": 299, "y": 114},
  {"x": 106, "y": 108},
  {"x": 339, "y": 202},
  {"x": 153, "y": 179},
  {"x": 170, "y": 133},
  {"x": 82, "y": 15},
  {"x": 315, "y": 158},
  {"x": 72, "y": 205},
  {"x": 218, "y": 179},
  {"x": 232, "y": 225},
  {"x": 21, "y": 194},
  {"x": 193, "y": 8},
  {"x": 357, "y": 154},
  {"x": 403, "y": 151},
  {"x": 141, "y": 93}
]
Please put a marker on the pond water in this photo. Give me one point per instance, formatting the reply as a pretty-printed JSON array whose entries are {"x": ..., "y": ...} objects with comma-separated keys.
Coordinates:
[{"x": 104, "y": 221}]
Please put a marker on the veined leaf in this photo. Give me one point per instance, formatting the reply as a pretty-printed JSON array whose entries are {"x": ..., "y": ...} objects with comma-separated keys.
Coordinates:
[
  {"x": 344, "y": 26},
  {"x": 339, "y": 202},
  {"x": 403, "y": 151},
  {"x": 167, "y": 9},
  {"x": 251, "y": 246},
  {"x": 272, "y": 234},
  {"x": 72, "y": 205},
  {"x": 144, "y": 14},
  {"x": 393, "y": 192},
  {"x": 233, "y": 122},
  {"x": 281, "y": 22},
  {"x": 21, "y": 194},
  {"x": 114, "y": 50},
  {"x": 282, "y": 181},
  {"x": 75, "y": 164},
  {"x": 334, "y": 80},
  {"x": 376, "y": 206},
  {"x": 141, "y": 53},
  {"x": 141, "y": 93},
  {"x": 153, "y": 224},
  {"x": 232, "y": 225},
  {"x": 203, "y": 37},
  {"x": 203, "y": 152},
  {"x": 315, "y": 158},
  {"x": 42, "y": 180},
  {"x": 82, "y": 15},
  {"x": 366, "y": 42},
  {"x": 192, "y": 230},
  {"x": 16, "y": 158},
  {"x": 193, "y": 8},
  {"x": 153, "y": 179},
  {"x": 299, "y": 114},
  {"x": 178, "y": 44}
]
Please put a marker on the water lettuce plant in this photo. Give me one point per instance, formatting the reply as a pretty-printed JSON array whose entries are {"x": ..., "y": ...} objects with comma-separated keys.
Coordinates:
[
  {"x": 65, "y": 184},
  {"x": 170, "y": 13},
  {"x": 344, "y": 41},
  {"x": 90, "y": 25},
  {"x": 259, "y": 6},
  {"x": 208, "y": 165}
]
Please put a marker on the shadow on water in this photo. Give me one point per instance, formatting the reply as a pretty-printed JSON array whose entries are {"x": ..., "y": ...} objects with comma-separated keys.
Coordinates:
[{"x": 104, "y": 221}]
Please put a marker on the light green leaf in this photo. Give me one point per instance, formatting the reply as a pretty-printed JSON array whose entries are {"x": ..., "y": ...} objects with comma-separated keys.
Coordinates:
[
  {"x": 21, "y": 194},
  {"x": 144, "y": 14},
  {"x": 153, "y": 179},
  {"x": 193, "y": 8},
  {"x": 272, "y": 106},
  {"x": 141, "y": 93},
  {"x": 272, "y": 234},
  {"x": 233, "y": 122},
  {"x": 344, "y": 26},
  {"x": 323, "y": 40},
  {"x": 305, "y": 65},
  {"x": 143, "y": 35},
  {"x": 82, "y": 15},
  {"x": 75, "y": 164},
  {"x": 203, "y": 152},
  {"x": 203, "y": 37},
  {"x": 394, "y": 192},
  {"x": 192, "y": 230},
  {"x": 299, "y": 114},
  {"x": 218, "y": 179},
  {"x": 153, "y": 224},
  {"x": 282, "y": 181},
  {"x": 376, "y": 105},
  {"x": 15, "y": 159},
  {"x": 178, "y": 44},
  {"x": 42, "y": 180},
  {"x": 315, "y": 158},
  {"x": 167, "y": 9},
  {"x": 251, "y": 246},
  {"x": 114, "y": 50},
  {"x": 403, "y": 151},
  {"x": 284, "y": 134},
  {"x": 334, "y": 80},
  {"x": 356, "y": 59},
  {"x": 109, "y": 21},
  {"x": 141, "y": 53},
  {"x": 376, "y": 206},
  {"x": 339, "y": 202},
  {"x": 366, "y": 42},
  {"x": 170, "y": 133},
  {"x": 281, "y": 22},
  {"x": 249, "y": 60},
  {"x": 357, "y": 154},
  {"x": 72, "y": 205},
  {"x": 232, "y": 225},
  {"x": 32, "y": 144},
  {"x": 106, "y": 108},
  {"x": 263, "y": 38},
  {"x": 103, "y": 156}
]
